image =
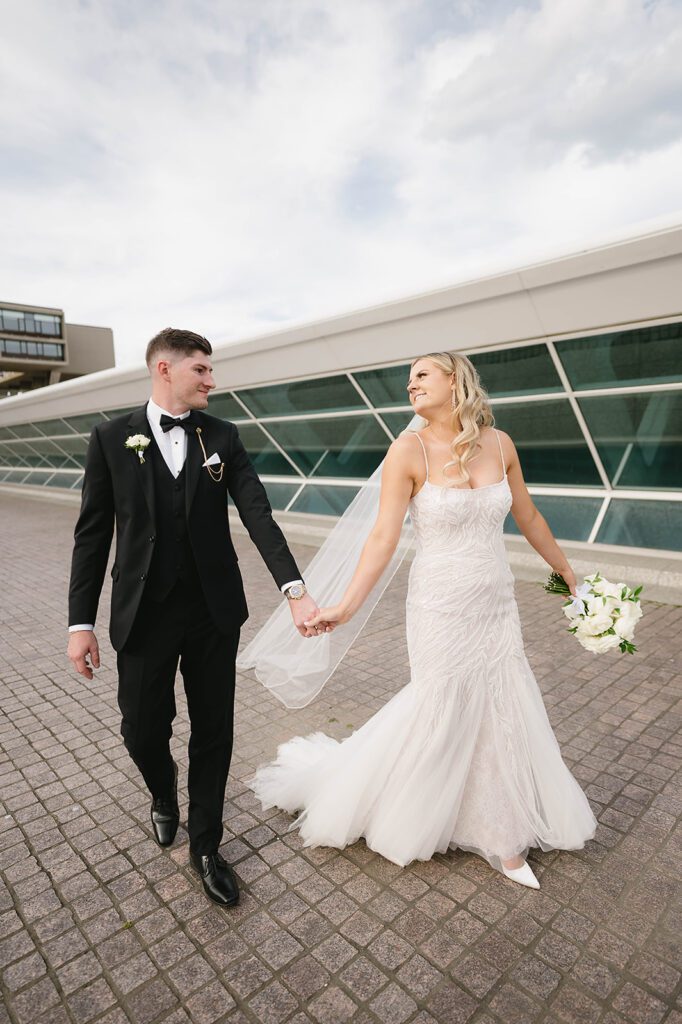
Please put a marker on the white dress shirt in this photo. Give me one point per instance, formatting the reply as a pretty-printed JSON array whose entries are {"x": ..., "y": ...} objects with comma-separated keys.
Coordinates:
[
  {"x": 173, "y": 446},
  {"x": 173, "y": 443}
]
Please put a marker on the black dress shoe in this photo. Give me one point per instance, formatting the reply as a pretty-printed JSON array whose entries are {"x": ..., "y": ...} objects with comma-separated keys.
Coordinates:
[
  {"x": 220, "y": 884},
  {"x": 166, "y": 815}
]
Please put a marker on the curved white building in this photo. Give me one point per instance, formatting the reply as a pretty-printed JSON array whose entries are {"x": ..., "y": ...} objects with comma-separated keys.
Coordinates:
[{"x": 581, "y": 355}]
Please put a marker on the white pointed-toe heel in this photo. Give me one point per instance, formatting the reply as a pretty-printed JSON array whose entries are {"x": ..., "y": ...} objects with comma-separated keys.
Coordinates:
[{"x": 524, "y": 875}]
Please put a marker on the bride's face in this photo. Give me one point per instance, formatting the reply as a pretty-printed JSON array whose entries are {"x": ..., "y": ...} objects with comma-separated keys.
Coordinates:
[{"x": 430, "y": 389}]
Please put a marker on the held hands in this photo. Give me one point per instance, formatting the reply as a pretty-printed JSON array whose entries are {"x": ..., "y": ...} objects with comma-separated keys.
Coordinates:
[
  {"x": 302, "y": 610},
  {"x": 83, "y": 643},
  {"x": 327, "y": 619}
]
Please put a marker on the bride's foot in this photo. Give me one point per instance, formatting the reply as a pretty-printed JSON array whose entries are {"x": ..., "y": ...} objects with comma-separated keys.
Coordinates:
[
  {"x": 515, "y": 862},
  {"x": 521, "y": 873}
]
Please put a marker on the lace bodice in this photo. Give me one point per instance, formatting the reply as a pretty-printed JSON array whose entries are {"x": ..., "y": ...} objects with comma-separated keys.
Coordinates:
[{"x": 460, "y": 522}]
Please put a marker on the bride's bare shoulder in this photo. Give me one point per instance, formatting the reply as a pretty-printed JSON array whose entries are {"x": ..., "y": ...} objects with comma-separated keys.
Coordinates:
[
  {"x": 505, "y": 438},
  {"x": 405, "y": 452},
  {"x": 508, "y": 446}
]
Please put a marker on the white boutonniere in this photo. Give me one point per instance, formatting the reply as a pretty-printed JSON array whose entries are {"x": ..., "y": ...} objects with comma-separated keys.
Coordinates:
[{"x": 138, "y": 443}]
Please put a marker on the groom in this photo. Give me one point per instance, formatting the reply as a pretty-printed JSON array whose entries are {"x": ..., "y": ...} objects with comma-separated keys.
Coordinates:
[{"x": 162, "y": 476}]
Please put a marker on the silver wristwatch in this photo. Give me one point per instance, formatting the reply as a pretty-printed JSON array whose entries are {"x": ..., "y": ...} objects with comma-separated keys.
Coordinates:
[{"x": 296, "y": 591}]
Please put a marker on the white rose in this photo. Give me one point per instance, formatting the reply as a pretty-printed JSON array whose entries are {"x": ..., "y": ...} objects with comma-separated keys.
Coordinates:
[
  {"x": 599, "y": 644},
  {"x": 137, "y": 441},
  {"x": 629, "y": 615},
  {"x": 593, "y": 625},
  {"x": 595, "y": 605}
]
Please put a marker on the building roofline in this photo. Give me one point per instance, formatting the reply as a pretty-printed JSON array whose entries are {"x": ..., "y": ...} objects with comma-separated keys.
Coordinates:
[
  {"x": 21, "y": 307},
  {"x": 519, "y": 289}
]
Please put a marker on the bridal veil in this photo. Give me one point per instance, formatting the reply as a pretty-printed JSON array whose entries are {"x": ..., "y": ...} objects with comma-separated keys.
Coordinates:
[{"x": 295, "y": 668}]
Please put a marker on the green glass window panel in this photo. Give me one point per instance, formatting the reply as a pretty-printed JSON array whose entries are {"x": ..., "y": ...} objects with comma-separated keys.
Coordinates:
[
  {"x": 53, "y": 454},
  {"x": 647, "y": 355},
  {"x": 347, "y": 446},
  {"x": 524, "y": 370},
  {"x": 84, "y": 424},
  {"x": 226, "y": 407},
  {"x": 397, "y": 421},
  {"x": 16, "y": 476},
  {"x": 3, "y": 475},
  {"x": 78, "y": 483},
  {"x": 638, "y": 437},
  {"x": 112, "y": 414},
  {"x": 265, "y": 456},
  {"x": 28, "y": 455},
  {"x": 568, "y": 518},
  {"x": 44, "y": 446},
  {"x": 62, "y": 480},
  {"x": 385, "y": 386},
  {"x": 52, "y": 428},
  {"x": 6, "y": 434},
  {"x": 36, "y": 478},
  {"x": 642, "y": 524},
  {"x": 321, "y": 500},
  {"x": 11, "y": 455},
  {"x": 74, "y": 445},
  {"x": 280, "y": 494},
  {"x": 24, "y": 430},
  {"x": 326, "y": 394},
  {"x": 551, "y": 447}
]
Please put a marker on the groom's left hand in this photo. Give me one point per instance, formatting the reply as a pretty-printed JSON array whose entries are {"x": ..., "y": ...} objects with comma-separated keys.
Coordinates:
[{"x": 304, "y": 609}]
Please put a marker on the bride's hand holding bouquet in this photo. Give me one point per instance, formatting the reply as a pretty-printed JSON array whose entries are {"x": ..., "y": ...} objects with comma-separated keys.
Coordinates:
[{"x": 603, "y": 615}]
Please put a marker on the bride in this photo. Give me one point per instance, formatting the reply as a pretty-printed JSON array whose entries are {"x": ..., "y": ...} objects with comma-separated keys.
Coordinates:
[{"x": 464, "y": 755}]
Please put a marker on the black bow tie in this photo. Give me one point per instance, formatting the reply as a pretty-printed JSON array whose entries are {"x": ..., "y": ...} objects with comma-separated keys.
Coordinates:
[{"x": 167, "y": 423}]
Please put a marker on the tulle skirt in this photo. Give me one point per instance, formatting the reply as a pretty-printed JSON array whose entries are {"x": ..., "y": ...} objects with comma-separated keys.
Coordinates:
[{"x": 470, "y": 763}]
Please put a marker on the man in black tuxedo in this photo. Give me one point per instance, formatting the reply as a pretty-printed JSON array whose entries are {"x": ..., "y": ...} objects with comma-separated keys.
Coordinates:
[{"x": 162, "y": 475}]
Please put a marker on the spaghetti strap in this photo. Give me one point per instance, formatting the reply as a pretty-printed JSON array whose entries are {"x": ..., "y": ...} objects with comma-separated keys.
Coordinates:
[
  {"x": 504, "y": 468},
  {"x": 425, "y": 455}
]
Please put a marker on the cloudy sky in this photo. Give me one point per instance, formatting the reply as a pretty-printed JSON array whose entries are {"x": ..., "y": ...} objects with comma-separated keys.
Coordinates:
[{"x": 235, "y": 166}]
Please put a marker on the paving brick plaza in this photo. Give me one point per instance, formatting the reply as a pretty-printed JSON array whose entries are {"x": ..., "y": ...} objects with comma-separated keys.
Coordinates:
[{"x": 98, "y": 924}]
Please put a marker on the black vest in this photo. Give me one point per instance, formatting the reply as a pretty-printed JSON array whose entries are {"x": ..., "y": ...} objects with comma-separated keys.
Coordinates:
[{"x": 173, "y": 558}]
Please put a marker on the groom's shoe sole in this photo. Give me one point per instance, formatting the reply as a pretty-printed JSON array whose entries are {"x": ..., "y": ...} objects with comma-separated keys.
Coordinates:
[{"x": 165, "y": 816}]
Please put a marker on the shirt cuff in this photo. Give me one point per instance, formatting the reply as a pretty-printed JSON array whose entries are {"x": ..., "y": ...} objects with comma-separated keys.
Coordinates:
[
  {"x": 86, "y": 625},
  {"x": 286, "y": 586}
]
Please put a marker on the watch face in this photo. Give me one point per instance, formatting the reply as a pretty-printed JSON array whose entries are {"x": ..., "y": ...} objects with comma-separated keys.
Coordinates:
[{"x": 296, "y": 591}]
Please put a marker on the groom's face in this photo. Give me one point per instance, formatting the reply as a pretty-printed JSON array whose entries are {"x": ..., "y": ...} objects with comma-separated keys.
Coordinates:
[{"x": 191, "y": 379}]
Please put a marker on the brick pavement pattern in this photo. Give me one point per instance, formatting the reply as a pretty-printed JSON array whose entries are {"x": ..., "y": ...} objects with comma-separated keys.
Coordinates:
[{"x": 98, "y": 924}]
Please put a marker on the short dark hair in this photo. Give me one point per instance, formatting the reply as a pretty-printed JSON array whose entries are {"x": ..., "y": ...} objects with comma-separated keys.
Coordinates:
[{"x": 172, "y": 339}]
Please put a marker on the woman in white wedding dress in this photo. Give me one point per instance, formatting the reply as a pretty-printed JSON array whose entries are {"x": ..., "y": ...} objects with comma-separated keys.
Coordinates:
[{"x": 464, "y": 755}]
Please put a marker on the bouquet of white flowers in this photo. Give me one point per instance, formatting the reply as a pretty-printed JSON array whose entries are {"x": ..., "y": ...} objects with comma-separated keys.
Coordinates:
[{"x": 603, "y": 615}]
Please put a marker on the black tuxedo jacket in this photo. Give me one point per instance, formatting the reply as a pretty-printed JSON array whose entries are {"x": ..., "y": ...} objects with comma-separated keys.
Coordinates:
[{"x": 118, "y": 488}]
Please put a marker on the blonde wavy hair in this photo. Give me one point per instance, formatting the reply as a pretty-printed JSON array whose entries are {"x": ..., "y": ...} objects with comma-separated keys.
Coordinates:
[{"x": 470, "y": 407}]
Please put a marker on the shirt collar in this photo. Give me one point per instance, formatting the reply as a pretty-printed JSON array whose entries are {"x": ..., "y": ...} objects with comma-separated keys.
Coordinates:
[{"x": 155, "y": 412}]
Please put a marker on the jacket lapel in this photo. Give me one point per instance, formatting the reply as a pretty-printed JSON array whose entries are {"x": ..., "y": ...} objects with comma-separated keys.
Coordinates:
[{"x": 139, "y": 424}]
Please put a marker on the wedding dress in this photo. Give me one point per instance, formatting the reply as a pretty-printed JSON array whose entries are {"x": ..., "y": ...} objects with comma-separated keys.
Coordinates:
[{"x": 464, "y": 755}]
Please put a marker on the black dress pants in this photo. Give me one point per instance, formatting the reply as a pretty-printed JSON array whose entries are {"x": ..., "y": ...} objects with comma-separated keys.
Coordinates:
[{"x": 180, "y": 628}]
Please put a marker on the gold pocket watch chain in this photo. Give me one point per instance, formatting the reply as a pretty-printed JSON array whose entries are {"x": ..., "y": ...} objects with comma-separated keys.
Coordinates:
[{"x": 215, "y": 474}]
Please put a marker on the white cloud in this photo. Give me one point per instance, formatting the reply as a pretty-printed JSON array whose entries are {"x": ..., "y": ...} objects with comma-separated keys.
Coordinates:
[{"x": 233, "y": 167}]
